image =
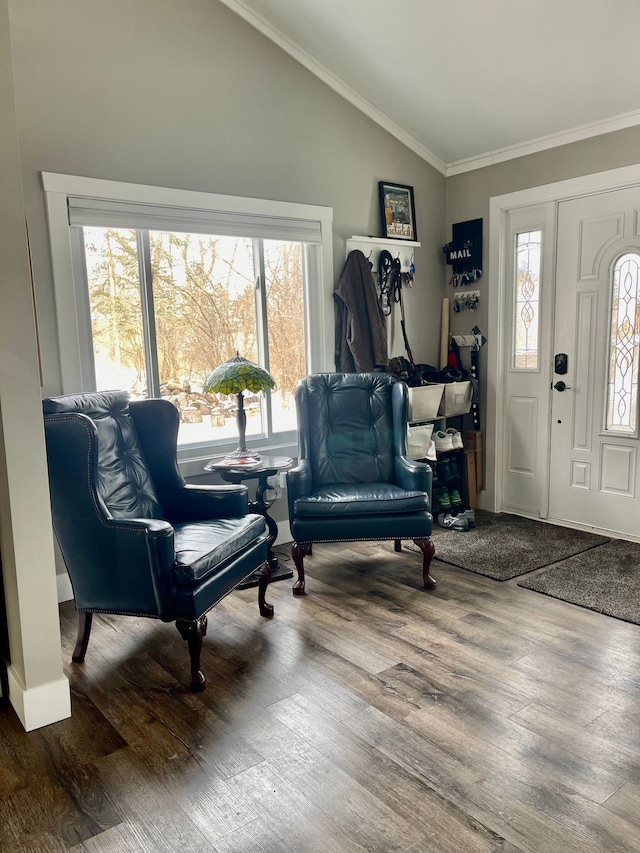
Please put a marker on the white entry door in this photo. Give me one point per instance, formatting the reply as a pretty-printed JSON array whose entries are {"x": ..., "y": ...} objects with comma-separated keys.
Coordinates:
[{"x": 595, "y": 449}]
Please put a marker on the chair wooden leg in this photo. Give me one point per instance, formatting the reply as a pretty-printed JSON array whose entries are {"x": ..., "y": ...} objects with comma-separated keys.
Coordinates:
[
  {"x": 266, "y": 609},
  {"x": 397, "y": 544},
  {"x": 193, "y": 631},
  {"x": 298, "y": 552},
  {"x": 82, "y": 640},
  {"x": 428, "y": 550}
]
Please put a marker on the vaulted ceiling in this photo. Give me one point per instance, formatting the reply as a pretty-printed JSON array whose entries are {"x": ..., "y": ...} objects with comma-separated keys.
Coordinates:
[{"x": 465, "y": 83}]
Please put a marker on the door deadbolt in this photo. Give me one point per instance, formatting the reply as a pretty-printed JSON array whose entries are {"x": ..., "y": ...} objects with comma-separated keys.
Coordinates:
[
  {"x": 560, "y": 363},
  {"x": 560, "y": 386}
]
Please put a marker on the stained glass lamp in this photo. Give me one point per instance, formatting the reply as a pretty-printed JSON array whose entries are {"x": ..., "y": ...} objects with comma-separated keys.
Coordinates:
[{"x": 234, "y": 377}]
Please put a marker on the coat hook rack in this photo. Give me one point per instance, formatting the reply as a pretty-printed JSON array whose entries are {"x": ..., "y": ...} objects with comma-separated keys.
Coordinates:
[{"x": 372, "y": 246}]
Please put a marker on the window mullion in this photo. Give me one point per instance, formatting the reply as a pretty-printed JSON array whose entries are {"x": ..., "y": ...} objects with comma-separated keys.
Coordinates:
[
  {"x": 262, "y": 322},
  {"x": 148, "y": 314}
]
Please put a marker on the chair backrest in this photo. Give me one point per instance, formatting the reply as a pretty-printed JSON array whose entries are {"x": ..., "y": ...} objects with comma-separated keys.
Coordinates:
[
  {"x": 347, "y": 428},
  {"x": 123, "y": 479}
]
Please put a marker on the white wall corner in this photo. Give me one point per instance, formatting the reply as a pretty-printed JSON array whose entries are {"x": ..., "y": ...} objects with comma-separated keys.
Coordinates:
[
  {"x": 284, "y": 536},
  {"x": 41, "y": 706},
  {"x": 65, "y": 590}
]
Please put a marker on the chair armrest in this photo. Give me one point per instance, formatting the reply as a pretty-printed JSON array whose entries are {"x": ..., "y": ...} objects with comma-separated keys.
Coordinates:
[
  {"x": 143, "y": 543},
  {"x": 119, "y": 564},
  {"x": 160, "y": 546},
  {"x": 298, "y": 483},
  {"x": 198, "y": 503},
  {"x": 413, "y": 476}
]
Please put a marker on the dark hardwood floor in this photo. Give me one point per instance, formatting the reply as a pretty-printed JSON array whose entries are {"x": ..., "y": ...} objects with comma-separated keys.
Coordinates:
[{"x": 370, "y": 715}]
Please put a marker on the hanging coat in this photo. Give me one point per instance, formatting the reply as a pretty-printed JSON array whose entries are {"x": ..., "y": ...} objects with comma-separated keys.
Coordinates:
[{"x": 361, "y": 329}]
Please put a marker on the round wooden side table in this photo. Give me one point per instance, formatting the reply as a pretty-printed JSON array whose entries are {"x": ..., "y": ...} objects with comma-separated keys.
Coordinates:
[{"x": 259, "y": 470}]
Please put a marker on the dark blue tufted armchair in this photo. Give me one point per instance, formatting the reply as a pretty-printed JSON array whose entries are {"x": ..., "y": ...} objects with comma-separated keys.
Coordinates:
[
  {"x": 136, "y": 539},
  {"x": 354, "y": 479}
]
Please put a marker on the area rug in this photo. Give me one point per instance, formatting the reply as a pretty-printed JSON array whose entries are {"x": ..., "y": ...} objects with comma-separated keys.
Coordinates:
[
  {"x": 605, "y": 579},
  {"x": 505, "y": 546}
]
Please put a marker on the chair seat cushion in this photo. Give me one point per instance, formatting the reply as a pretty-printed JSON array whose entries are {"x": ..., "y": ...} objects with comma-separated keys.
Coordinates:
[
  {"x": 361, "y": 499},
  {"x": 205, "y": 547}
]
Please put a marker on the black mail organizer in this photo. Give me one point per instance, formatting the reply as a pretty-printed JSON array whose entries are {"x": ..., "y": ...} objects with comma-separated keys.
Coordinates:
[{"x": 464, "y": 252}]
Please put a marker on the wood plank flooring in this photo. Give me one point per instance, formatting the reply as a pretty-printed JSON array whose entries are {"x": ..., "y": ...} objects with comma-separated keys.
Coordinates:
[{"x": 370, "y": 715}]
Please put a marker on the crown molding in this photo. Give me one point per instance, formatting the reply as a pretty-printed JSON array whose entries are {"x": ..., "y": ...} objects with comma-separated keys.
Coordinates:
[
  {"x": 544, "y": 143},
  {"x": 359, "y": 101}
]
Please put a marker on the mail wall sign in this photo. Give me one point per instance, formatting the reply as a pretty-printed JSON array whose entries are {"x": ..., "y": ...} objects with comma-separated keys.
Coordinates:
[{"x": 464, "y": 252}]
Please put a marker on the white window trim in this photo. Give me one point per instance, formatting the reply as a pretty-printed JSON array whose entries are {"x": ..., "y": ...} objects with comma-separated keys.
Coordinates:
[{"x": 58, "y": 188}]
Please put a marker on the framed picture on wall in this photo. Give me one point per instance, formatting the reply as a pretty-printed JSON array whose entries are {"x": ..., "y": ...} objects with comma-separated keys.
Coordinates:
[{"x": 397, "y": 211}]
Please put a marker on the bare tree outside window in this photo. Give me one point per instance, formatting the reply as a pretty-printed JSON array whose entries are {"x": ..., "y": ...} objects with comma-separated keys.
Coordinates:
[{"x": 203, "y": 308}]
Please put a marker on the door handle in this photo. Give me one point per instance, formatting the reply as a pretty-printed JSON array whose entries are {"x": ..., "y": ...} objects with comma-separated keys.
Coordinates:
[{"x": 560, "y": 386}]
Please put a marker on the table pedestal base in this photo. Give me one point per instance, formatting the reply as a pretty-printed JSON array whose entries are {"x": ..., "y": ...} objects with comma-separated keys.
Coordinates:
[{"x": 278, "y": 573}]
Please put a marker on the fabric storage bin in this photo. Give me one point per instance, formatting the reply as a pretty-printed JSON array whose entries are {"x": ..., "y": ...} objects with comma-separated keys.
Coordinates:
[
  {"x": 456, "y": 399},
  {"x": 424, "y": 401},
  {"x": 418, "y": 439}
]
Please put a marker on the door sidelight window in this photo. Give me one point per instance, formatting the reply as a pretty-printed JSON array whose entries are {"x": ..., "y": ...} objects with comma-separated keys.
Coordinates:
[
  {"x": 526, "y": 304},
  {"x": 622, "y": 380}
]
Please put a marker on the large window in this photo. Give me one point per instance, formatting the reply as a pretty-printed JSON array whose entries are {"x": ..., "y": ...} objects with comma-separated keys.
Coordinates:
[
  {"x": 206, "y": 297},
  {"x": 164, "y": 293}
]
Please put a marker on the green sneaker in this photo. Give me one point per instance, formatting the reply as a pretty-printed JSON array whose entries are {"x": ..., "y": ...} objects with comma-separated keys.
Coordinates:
[
  {"x": 444, "y": 500},
  {"x": 454, "y": 497}
]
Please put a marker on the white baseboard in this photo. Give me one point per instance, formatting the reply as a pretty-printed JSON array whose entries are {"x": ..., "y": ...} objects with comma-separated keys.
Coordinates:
[
  {"x": 42, "y": 705},
  {"x": 65, "y": 590}
]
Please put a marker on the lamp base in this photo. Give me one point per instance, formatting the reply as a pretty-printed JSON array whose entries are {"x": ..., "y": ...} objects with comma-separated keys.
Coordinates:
[{"x": 241, "y": 457}]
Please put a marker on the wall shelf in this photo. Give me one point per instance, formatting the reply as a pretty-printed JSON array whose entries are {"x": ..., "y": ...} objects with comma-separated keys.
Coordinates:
[{"x": 372, "y": 246}]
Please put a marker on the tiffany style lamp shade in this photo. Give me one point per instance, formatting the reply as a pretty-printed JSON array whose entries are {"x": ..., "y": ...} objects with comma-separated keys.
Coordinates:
[{"x": 234, "y": 377}]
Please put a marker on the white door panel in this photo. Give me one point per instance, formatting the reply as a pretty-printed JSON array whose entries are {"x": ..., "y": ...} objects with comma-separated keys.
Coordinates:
[
  {"x": 526, "y": 398},
  {"x": 593, "y": 472}
]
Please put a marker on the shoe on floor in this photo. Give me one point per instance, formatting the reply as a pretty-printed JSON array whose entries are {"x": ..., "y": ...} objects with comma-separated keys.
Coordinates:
[
  {"x": 470, "y": 516},
  {"x": 453, "y": 522}
]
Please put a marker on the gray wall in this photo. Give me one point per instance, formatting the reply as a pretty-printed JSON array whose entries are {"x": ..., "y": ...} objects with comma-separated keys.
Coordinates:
[{"x": 187, "y": 94}]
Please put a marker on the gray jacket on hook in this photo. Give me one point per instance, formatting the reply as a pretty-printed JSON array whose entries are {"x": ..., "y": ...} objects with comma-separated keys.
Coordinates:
[{"x": 361, "y": 330}]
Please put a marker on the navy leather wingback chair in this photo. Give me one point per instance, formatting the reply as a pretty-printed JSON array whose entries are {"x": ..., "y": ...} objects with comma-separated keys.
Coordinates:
[
  {"x": 136, "y": 539},
  {"x": 354, "y": 479}
]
